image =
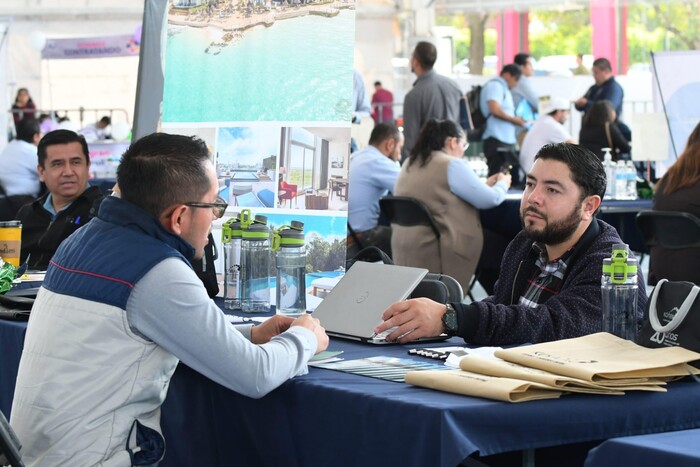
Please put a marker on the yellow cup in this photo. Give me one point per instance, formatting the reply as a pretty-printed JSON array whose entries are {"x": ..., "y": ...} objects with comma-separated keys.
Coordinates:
[{"x": 10, "y": 241}]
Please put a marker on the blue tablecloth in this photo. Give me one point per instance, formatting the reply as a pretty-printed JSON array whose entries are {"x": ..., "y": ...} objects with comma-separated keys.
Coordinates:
[
  {"x": 334, "y": 418},
  {"x": 677, "y": 449}
]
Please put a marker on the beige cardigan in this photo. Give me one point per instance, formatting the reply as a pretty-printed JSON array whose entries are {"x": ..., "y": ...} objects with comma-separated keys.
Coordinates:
[{"x": 461, "y": 238}]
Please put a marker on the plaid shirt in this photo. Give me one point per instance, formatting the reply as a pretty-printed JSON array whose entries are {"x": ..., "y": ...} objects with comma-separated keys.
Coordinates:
[{"x": 546, "y": 279}]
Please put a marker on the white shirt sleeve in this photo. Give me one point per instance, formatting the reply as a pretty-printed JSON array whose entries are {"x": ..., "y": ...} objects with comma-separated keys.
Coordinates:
[
  {"x": 170, "y": 306},
  {"x": 464, "y": 183}
]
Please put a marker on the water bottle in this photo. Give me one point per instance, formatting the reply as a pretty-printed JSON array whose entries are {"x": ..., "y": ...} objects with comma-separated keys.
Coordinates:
[
  {"x": 619, "y": 293},
  {"x": 255, "y": 264},
  {"x": 631, "y": 181},
  {"x": 290, "y": 258},
  {"x": 231, "y": 239},
  {"x": 620, "y": 180},
  {"x": 610, "y": 170}
]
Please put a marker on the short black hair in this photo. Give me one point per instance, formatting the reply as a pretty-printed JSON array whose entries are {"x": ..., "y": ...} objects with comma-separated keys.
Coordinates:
[
  {"x": 513, "y": 70},
  {"x": 26, "y": 129},
  {"x": 377, "y": 83},
  {"x": 602, "y": 64},
  {"x": 160, "y": 170},
  {"x": 521, "y": 59},
  {"x": 106, "y": 120},
  {"x": 426, "y": 54},
  {"x": 61, "y": 137},
  {"x": 382, "y": 132},
  {"x": 586, "y": 168}
]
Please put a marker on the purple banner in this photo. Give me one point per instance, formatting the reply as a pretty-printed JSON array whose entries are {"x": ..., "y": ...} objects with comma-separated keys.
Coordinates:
[{"x": 91, "y": 47}]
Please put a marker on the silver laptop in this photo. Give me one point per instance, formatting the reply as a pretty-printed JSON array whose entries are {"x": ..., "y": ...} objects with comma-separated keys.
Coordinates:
[{"x": 354, "y": 307}]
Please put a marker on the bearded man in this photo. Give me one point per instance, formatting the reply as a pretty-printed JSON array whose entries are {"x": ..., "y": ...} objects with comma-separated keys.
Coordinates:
[{"x": 549, "y": 286}]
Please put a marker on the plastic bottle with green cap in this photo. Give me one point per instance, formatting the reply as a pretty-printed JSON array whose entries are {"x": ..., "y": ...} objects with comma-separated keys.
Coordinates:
[
  {"x": 255, "y": 263},
  {"x": 619, "y": 293},
  {"x": 290, "y": 259},
  {"x": 231, "y": 240}
]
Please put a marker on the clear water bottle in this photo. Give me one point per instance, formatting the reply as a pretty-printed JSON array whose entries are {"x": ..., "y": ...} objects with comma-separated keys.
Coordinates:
[
  {"x": 610, "y": 169},
  {"x": 620, "y": 180},
  {"x": 290, "y": 258},
  {"x": 619, "y": 293},
  {"x": 631, "y": 180},
  {"x": 255, "y": 264},
  {"x": 231, "y": 239}
]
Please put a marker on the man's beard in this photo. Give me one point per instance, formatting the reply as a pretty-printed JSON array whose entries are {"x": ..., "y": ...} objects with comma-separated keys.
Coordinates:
[{"x": 553, "y": 233}]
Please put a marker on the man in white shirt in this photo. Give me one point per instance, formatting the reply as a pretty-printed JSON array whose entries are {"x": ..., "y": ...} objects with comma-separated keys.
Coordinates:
[
  {"x": 549, "y": 128},
  {"x": 18, "y": 160},
  {"x": 373, "y": 173}
]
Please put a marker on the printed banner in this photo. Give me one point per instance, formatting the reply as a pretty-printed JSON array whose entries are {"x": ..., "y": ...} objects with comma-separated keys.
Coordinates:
[
  {"x": 268, "y": 87},
  {"x": 91, "y": 47}
]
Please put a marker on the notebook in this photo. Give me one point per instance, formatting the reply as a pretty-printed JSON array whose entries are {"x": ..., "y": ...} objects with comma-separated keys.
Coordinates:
[{"x": 354, "y": 307}]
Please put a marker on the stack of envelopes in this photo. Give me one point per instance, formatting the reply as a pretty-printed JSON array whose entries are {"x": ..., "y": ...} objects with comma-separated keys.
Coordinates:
[{"x": 594, "y": 364}]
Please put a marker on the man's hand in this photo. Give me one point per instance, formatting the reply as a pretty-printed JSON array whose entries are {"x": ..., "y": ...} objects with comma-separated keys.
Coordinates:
[
  {"x": 581, "y": 102},
  {"x": 520, "y": 121},
  {"x": 272, "y": 327},
  {"x": 314, "y": 325},
  {"x": 415, "y": 318}
]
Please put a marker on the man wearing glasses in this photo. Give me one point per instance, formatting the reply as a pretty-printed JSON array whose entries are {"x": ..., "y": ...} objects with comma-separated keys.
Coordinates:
[{"x": 121, "y": 306}]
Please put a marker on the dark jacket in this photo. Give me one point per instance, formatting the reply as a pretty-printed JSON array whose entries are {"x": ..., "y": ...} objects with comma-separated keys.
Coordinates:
[
  {"x": 609, "y": 90},
  {"x": 41, "y": 236},
  {"x": 595, "y": 139},
  {"x": 682, "y": 264},
  {"x": 574, "y": 311}
]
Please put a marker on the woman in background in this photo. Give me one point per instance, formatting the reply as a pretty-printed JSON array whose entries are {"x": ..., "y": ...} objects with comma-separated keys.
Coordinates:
[
  {"x": 679, "y": 190},
  {"x": 599, "y": 130},
  {"x": 436, "y": 174},
  {"x": 23, "y": 108}
]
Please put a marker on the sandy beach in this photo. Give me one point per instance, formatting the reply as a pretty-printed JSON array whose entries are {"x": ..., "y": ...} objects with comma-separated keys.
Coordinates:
[{"x": 238, "y": 20}]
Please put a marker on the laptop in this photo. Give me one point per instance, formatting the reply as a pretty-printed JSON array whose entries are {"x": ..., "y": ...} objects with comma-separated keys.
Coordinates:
[{"x": 353, "y": 308}]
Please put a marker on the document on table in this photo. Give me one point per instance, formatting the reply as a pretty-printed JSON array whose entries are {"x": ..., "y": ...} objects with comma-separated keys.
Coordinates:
[{"x": 387, "y": 368}]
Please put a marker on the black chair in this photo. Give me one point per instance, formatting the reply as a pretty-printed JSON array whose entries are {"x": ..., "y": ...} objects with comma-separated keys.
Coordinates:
[
  {"x": 407, "y": 212},
  {"x": 439, "y": 287},
  {"x": 9, "y": 205},
  {"x": 669, "y": 229},
  {"x": 9, "y": 445}
]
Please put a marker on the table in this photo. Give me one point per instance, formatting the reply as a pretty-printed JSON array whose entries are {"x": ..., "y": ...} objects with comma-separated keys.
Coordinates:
[
  {"x": 339, "y": 185},
  {"x": 677, "y": 448},
  {"x": 333, "y": 418}
]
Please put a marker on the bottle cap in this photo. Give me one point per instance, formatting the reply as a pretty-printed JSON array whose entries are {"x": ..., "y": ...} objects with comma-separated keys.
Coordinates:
[
  {"x": 620, "y": 266},
  {"x": 288, "y": 236}
]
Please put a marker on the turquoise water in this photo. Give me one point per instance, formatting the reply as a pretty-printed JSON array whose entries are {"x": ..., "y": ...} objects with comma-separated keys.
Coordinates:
[
  {"x": 297, "y": 70},
  {"x": 311, "y": 276}
]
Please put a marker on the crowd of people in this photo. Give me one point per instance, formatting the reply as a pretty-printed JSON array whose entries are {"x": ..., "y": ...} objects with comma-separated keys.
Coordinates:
[{"x": 121, "y": 269}]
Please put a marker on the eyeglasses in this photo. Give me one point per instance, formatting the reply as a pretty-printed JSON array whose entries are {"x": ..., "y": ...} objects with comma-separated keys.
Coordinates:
[{"x": 218, "y": 208}]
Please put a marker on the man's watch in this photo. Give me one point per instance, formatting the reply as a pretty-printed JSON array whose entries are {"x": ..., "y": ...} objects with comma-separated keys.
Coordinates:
[{"x": 449, "y": 321}]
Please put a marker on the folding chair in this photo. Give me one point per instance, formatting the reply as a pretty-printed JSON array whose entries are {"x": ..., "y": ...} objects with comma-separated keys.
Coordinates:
[{"x": 669, "y": 229}]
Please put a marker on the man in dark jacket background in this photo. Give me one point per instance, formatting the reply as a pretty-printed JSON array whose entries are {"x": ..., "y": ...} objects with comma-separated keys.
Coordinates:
[
  {"x": 549, "y": 287},
  {"x": 64, "y": 165}
]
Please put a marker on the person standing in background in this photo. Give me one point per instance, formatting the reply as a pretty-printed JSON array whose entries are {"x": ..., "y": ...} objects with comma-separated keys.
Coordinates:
[
  {"x": 499, "y": 137},
  {"x": 432, "y": 96},
  {"x": 382, "y": 101},
  {"x": 23, "y": 108},
  {"x": 549, "y": 128},
  {"x": 580, "y": 69}
]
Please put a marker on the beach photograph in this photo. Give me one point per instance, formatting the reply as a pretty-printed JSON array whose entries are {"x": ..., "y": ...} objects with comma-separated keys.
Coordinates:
[
  {"x": 246, "y": 165},
  {"x": 228, "y": 61}
]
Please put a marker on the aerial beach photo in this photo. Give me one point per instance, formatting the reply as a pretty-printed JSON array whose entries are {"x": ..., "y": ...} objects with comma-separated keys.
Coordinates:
[{"x": 252, "y": 61}]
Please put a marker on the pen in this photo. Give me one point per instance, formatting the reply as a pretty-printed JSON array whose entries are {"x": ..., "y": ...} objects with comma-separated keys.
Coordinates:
[{"x": 77, "y": 220}]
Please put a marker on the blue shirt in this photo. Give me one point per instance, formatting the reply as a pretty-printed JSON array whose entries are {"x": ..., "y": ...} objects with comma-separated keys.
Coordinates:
[
  {"x": 497, "y": 90},
  {"x": 372, "y": 175},
  {"x": 464, "y": 183}
]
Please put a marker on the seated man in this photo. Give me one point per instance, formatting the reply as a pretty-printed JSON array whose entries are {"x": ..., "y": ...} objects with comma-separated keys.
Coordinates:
[
  {"x": 69, "y": 203},
  {"x": 121, "y": 305},
  {"x": 549, "y": 286},
  {"x": 373, "y": 173}
]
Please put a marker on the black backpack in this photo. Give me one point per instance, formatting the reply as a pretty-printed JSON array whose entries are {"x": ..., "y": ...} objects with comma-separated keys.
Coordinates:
[{"x": 470, "y": 116}]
